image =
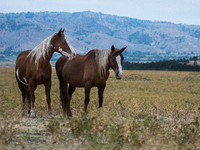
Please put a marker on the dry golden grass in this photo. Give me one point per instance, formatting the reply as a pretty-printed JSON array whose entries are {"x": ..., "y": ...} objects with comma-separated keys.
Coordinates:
[{"x": 144, "y": 110}]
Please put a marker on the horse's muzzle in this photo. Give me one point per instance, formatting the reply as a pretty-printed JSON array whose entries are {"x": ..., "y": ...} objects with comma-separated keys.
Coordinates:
[
  {"x": 72, "y": 56},
  {"x": 119, "y": 75}
]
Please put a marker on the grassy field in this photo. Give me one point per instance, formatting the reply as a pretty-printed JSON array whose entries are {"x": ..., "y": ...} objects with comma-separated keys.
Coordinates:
[{"x": 144, "y": 110}]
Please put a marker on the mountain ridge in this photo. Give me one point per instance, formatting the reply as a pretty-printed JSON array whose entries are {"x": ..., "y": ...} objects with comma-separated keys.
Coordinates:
[{"x": 88, "y": 30}]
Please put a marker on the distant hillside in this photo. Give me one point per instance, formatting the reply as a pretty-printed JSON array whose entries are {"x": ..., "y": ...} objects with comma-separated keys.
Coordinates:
[{"x": 146, "y": 40}]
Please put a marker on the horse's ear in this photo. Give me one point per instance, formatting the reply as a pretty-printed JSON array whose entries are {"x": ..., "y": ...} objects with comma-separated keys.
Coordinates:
[
  {"x": 59, "y": 33},
  {"x": 63, "y": 30},
  {"x": 112, "y": 49},
  {"x": 123, "y": 49}
]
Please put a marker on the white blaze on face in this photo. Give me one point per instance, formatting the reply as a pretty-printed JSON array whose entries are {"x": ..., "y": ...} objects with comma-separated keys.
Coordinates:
[{"x": 118, "y": 59}]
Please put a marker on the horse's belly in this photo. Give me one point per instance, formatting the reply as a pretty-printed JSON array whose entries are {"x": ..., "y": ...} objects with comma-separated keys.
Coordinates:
[
  {"x": 87, "y": 84},
  {"x": 74, "y": 84},
  {"x": 81, "y": 83},
  {"x": 43, "y": 78}
]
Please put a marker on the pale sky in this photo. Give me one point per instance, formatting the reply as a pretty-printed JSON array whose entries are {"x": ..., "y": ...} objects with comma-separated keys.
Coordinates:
[{"x": 175, "y": 11}]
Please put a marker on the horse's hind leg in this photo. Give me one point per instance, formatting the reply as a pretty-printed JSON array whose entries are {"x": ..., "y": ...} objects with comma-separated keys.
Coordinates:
[
  {"x": 48, "y": 98},
  {"x": 87, "y": 97},
  {"x": 29, "y": 101},
  {"x": 23, "y": 101},
  {"x": 23, "y": 90},
  {"x": 32, "y": 88},
  {"x": 71, "y": 91}
]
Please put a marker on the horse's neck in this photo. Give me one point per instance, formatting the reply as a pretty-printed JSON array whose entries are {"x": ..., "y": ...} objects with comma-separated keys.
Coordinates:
[
  {"x": 44, "y": 61},
  {"x": 103, "y": 62},
  {"x": 47, "y": 57}
]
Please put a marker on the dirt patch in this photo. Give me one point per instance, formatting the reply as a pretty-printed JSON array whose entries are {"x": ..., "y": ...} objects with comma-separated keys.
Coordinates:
[
  {"x": 30, "y": 134},
  {"x": 37, "y": 134}
]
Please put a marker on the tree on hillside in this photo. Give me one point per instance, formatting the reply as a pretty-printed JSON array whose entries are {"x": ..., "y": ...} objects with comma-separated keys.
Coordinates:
[{"x": 195, "y": 60}]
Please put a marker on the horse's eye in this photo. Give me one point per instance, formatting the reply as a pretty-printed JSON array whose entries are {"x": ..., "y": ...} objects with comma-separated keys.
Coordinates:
[{"x": 65, "y": 42}]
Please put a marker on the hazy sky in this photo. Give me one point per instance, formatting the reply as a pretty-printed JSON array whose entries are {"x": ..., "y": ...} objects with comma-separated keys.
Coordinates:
[{"x": 176, "y": 11}]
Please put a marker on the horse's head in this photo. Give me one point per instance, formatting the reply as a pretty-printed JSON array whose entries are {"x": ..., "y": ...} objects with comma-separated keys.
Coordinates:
[
  {"x": 116, "y": 61},
  {"x": 61, "y": 45}
]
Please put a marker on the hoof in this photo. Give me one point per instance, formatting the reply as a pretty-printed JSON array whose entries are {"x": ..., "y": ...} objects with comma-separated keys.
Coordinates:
[
  {"x": 69, "y": 115},
  {"x": 50, "y": 113},
  {"x": 32, "y": 114},
  {"x": 23, "y": 114}
]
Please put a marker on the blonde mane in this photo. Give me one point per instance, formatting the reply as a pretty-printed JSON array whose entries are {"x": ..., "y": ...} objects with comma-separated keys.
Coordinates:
[
  {"x": 41, "y": 50},
  {"x": 101, "y": 57}
]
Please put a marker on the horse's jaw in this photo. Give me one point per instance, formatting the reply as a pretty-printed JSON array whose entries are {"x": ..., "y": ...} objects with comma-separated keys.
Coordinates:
[{"x": 71, "y": 56}]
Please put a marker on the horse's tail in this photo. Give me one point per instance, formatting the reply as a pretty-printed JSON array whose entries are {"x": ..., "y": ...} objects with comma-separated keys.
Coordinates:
[
  {"x": 17, "y": 75},
  {"x": 62, "y": 98}
]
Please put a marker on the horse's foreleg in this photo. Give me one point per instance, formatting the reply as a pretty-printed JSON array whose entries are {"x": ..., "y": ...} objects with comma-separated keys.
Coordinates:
[
  {"x": 32, "y": 88},
  {"x": 87, "y": 97},
  {"x": 100, "y": 93},
  {"x": 48, "y": 97}
]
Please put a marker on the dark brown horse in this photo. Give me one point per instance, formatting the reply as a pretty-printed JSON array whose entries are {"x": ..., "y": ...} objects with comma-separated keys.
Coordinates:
[
  {"x": 87, "y": 71},
  {"x": 33, "y": 68}
]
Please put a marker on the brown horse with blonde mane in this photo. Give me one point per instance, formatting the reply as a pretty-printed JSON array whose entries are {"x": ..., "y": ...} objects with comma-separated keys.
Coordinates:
[
  {"x": 33, "y": 68},
  {"x": 90, "y": 70}
]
